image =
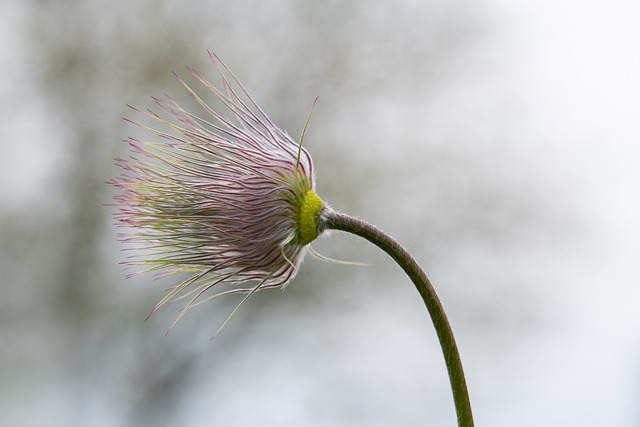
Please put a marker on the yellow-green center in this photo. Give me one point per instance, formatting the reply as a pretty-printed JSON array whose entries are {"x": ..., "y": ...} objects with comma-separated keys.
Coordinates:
[{"x": 309, "y": 217}]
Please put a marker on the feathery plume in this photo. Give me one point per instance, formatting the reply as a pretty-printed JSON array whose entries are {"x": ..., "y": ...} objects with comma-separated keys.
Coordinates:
[{"x": 229, "y": 198}]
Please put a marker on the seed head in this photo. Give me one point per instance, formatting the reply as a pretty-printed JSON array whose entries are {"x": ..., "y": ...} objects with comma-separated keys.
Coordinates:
[{"x": 228, "y": 197}]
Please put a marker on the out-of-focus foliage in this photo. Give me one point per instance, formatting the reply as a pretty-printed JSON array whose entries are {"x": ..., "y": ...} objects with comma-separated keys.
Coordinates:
[{"x": 407, "y": 134}]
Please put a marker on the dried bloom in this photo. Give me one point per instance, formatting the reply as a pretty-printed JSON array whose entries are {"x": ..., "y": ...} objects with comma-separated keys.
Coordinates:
[{"x": 229, "y": 198}]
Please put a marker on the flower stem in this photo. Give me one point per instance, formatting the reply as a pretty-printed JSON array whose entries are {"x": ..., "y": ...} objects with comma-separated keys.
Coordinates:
[{"x": 330, "y": 219}]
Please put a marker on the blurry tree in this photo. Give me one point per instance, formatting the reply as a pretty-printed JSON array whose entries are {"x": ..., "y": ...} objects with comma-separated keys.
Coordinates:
[{"x": 89, "y": 58}]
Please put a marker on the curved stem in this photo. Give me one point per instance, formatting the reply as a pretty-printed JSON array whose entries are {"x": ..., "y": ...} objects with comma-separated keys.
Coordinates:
[{"x": 330, "y": 219}]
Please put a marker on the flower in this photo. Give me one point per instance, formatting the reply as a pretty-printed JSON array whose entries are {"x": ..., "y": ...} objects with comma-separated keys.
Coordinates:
[{"x": 229, "y": 198}]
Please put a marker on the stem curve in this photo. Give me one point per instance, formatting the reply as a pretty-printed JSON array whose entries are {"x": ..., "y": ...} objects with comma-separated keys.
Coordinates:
[{"x": 332, "y": 220}]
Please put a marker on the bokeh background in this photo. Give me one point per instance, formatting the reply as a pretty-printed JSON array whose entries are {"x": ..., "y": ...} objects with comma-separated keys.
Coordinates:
[{"x": 498, "y": 140}]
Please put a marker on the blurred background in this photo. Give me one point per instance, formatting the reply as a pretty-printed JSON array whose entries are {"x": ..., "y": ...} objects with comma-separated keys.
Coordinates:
[{"x": 497, "y": 140}]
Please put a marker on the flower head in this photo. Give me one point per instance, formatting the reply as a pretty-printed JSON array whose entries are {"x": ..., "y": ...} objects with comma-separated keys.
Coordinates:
[{"x": 229, "y": 198}]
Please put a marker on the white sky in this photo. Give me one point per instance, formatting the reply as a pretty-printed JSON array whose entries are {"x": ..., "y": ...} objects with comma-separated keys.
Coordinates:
[
  {"x": 568, "y": 73},
  {"x": 576, "y": 76}
]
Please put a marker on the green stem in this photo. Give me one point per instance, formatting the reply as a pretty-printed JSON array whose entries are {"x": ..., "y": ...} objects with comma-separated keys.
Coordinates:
[{"x": 330, "y": 219}]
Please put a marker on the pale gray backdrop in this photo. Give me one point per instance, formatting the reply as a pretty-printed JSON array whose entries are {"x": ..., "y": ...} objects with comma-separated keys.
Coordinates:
[{"x": 498, "y": 140}]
